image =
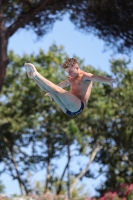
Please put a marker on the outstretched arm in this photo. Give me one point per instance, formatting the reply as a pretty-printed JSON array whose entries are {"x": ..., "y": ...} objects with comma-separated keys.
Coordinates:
[{"x": 101, "y": 79}]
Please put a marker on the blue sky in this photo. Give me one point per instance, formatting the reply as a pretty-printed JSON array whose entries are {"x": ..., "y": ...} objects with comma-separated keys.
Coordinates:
[{"x": 87, "y": 47}]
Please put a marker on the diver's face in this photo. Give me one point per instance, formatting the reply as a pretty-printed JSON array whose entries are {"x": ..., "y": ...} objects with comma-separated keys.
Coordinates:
[{"x": 72, "y": 70}]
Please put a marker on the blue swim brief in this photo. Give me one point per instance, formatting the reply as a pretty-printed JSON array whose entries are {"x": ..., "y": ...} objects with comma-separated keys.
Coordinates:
[{"x": 76, "y": 113}]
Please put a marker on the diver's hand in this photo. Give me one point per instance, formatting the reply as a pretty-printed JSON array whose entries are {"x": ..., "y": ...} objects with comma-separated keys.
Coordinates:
[
  {"x": 49, "y": 95},
  {"x": 112, "y": 80},
  {"x": 31, "y": 70}
]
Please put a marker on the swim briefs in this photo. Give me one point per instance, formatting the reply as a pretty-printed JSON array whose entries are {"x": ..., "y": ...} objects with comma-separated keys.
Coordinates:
[{"x": 76, "y": 113}]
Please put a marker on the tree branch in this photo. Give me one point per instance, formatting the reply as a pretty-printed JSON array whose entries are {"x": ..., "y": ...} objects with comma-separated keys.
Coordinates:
[
  {"x": 10, "y": 169},
  {"x": 86, "y": 168},
  {"x": 25, "y": 18},
  {"x": 12, "y": 158},
  {"x": 59, "y": 188},
  {"x": 61, "y": 179}
]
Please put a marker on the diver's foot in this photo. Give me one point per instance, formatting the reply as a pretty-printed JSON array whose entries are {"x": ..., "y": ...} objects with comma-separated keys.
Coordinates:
[{"x": 31, "y": 70}]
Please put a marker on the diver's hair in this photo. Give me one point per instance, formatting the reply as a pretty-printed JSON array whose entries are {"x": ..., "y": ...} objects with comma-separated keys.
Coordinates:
[{"x": 70, "y": 62}]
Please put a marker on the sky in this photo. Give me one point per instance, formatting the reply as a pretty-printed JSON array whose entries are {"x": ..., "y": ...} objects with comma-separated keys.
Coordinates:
[{"x": 86, "y": 47}]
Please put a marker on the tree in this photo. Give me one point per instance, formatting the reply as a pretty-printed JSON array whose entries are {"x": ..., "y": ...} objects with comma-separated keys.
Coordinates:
[
  {"x": 28, "y": 121},
  {"x": 111, "y": 21},
  {"x": 115, "y": 130},
  {"x": 21, "y": 115}
]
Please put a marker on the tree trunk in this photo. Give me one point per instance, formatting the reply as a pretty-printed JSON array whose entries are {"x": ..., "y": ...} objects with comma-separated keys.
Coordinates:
[
  {"x": 61, "y": 179},
  {"x": 3, "y": 46},
  {"x": 66, "y": 167},
  {"x": 68, "y": 174},
  {"x": 21, "y": 183},
  {"x": 23, "y": 188},
  {"x": 86, "y": 168},
  {"x": 48, "y": 175},
  {"x": 7, "y": 32}
]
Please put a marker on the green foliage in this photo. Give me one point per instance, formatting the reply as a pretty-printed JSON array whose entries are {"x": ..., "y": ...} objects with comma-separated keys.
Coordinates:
[
  {"x": 42, "y": 15},
  {"x": 34, "y": 131},
  {"x": 109, "y": 20},
  {"x": 117, "y": 152},
  {"x": 78, "y": 194},
  {"x": 27, "y": 118},
  {"x": 130, "y": 195},
  {"x": 2, "y": 187}
]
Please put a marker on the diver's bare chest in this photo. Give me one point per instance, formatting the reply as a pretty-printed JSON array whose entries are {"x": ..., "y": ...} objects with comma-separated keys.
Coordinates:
[{"x": 77, "y": 83}]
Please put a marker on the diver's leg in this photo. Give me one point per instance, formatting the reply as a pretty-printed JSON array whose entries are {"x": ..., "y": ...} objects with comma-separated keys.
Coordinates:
[
  {"x": 41, "y": 86},
  {"x": 56, "y": 99},
  {"x": 59, "y": 102}
]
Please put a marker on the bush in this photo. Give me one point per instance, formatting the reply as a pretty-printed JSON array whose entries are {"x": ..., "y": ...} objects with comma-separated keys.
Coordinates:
[{"x": 125, "y": 192}]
